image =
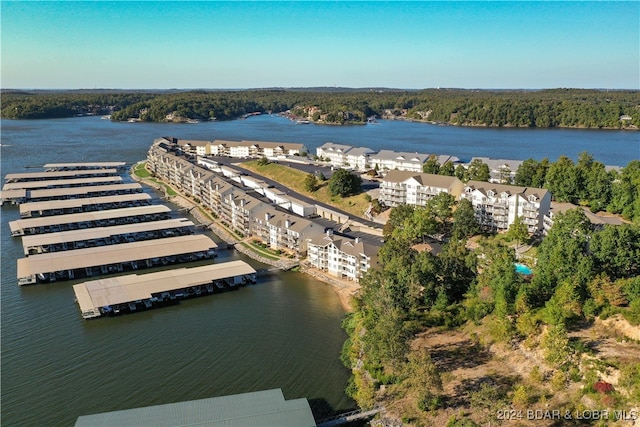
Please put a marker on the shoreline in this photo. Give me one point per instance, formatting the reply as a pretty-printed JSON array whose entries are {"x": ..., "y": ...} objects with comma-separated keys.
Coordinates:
[{"x": 344, "y": 289}]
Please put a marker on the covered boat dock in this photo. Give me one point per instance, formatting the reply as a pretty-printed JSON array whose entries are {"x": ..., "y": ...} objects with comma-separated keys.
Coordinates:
[
  {"x": 86, "y": 191},
  {"x": 63, "y": 183},
  {"x": 88, "y": 262},
  {"x": 44, "y": 176},
  {"x": 56, "y": 223},
  {"x": 84, "y": 165},
  {"x": 266, "y": 408},
  {"x": 134, "y": 292},
  {"x": 85, "y": 204},
  {"x": 103, "y": 236}
]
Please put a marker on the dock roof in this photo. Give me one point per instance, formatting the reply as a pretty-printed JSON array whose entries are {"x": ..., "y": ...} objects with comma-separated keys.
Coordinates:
[
  {"x": 85, "y": 165},
  {"x": 62, "y": 182},
  {"x": 259, "y": 408},
  {"x": 134, "y": 287},
  {"x": 85, "y": 201},
  {"x": 112, "y": 254},
  {"x": 76, "y": 191},
  {"x": 21, "y": 224},
  {"x": 57, "y": 174},
  {"x": 100, "y": 232}
]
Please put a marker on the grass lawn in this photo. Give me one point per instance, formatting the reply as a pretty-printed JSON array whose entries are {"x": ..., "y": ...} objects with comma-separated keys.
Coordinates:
[
  {"x": 141, "y": 171},
  {"x": 259, "y": 251},
  {"x": 294, "y": 179}
]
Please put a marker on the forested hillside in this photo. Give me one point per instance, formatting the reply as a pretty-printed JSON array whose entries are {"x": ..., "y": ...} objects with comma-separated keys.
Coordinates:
[
  {"x": 458, "y": 337},
  {"x": 544, "y": 108}
]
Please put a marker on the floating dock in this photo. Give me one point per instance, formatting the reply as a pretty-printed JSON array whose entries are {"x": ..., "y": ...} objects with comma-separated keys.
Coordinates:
[
  {"x": 63, "y": 183},
  {"x": 104, "y": 236},
  {"x": 85, "y": 165},
  {"x": 134, "y": 292},
  {"x": 56, "y": 223},
  {"x": 88, "y": 262},
  {"x": 87, "y": 191},
  {"x": 44, "y": 176},
  {"x": 85, "y": 204}
]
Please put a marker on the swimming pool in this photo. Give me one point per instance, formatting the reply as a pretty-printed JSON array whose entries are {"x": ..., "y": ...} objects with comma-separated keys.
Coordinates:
[{"x": 523, "y": 269}]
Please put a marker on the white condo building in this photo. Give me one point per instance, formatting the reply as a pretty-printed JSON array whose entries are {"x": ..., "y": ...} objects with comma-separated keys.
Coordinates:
[
  {"x": 410, "y": 188},
  {"x": 341, "y": 257},
  {"x": 498, "y": 205}
]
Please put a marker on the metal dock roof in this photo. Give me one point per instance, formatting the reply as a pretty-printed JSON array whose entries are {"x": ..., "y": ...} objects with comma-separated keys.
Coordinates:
[
  {"x": 21, "y": 224},
  {"x": 135, "y": 287},
  {"x": 75, "y": 191},
  {"x": 13, "y": 194},
  {"x": 25, "y": 176},
  {"x": 113, "y": 254},
  {"x": 76, "y": 203},
  {"x": 100, "y": 232},
  {"x": 57, "y": 183},
  {"x": 259, "y": 408},
  {"x": 86, "y": 165}
]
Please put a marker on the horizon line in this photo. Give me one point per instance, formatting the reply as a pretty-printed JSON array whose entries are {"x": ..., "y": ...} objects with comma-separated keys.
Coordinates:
[{"x": 320, "y": 87}]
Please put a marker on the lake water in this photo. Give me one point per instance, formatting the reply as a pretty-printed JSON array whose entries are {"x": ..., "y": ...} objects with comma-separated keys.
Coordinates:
[{"x": 283, "y": 332}]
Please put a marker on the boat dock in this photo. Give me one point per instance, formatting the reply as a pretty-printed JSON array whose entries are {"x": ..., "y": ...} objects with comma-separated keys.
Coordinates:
[
  {"x": 85, "y": 165},
  {"x": 56, "y": 223},
  {"x": 63, "y": 183},
  {"x": 135, "y": 292},
  {"x": 104, "y": 236},
  {"x": 80, "y": 220},
  {"x": 66, "y": 265},
  {"x": 85, "y": 204},
  {"x": 44, "y": 176},
  {"x": 87, "y": 191}
]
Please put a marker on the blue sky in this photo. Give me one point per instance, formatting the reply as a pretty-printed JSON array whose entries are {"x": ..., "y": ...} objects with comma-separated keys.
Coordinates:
[{"x": 188, "y": 44}]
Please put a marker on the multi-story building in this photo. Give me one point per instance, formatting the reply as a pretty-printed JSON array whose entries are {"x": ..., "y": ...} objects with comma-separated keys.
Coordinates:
[
  {"x": 336, "y": 153},
  {"x": 387, "y": 160},
  {"x": 411, "y": 188},
  {"x": 501, "y": 171},
  {"x": 597, "y": 221},
  {"x": 341, "y": 257},
  {"x": 283, "y": 231},
  {"x": 498, "y": 205},
  {"x": 238, "y": 210},
  {"x": 238, "y": 149}
]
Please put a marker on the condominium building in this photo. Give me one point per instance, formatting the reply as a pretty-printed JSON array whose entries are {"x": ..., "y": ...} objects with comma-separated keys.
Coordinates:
[
  {"x": 411, "y": 188},
  {"x": 336, "y": 153},
  {"x": 238, "y": 149},
  {"x": 387, "y": 160},
  {"x": 498, "y": 205},
  {"x": 597, "y": 221},
  {"x": 341, "y": 257},
  {"x": 233, "y": 206}
]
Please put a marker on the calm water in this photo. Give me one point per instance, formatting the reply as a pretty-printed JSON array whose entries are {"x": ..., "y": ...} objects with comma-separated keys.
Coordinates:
[{"x": 283, "y": 332}]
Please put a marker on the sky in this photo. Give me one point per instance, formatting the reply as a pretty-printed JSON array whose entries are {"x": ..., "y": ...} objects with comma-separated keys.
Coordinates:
[{"x": 259, "y": 44}]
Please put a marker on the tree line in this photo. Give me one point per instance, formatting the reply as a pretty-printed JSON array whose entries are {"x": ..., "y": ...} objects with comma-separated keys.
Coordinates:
[{"x": 543, "y": 109}]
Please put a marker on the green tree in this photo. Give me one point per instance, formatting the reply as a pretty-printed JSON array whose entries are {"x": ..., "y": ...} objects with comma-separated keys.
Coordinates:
[
  {"x": 447, "y": 169},
  {"x": 478, "y": 170},
  {"x": 431, "y": 165},
  {"x": 518, "y": 231},
  {"x": 461, "y": 173},
  {"x": 310, "y": 183},
  {"x": 562, "y": 180},
  {"x": 397, "y": 217},
  {"x": 465, "y": 223},
  {"x": 344, "y": 183},
  {"x": 625, "y": 198}
]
